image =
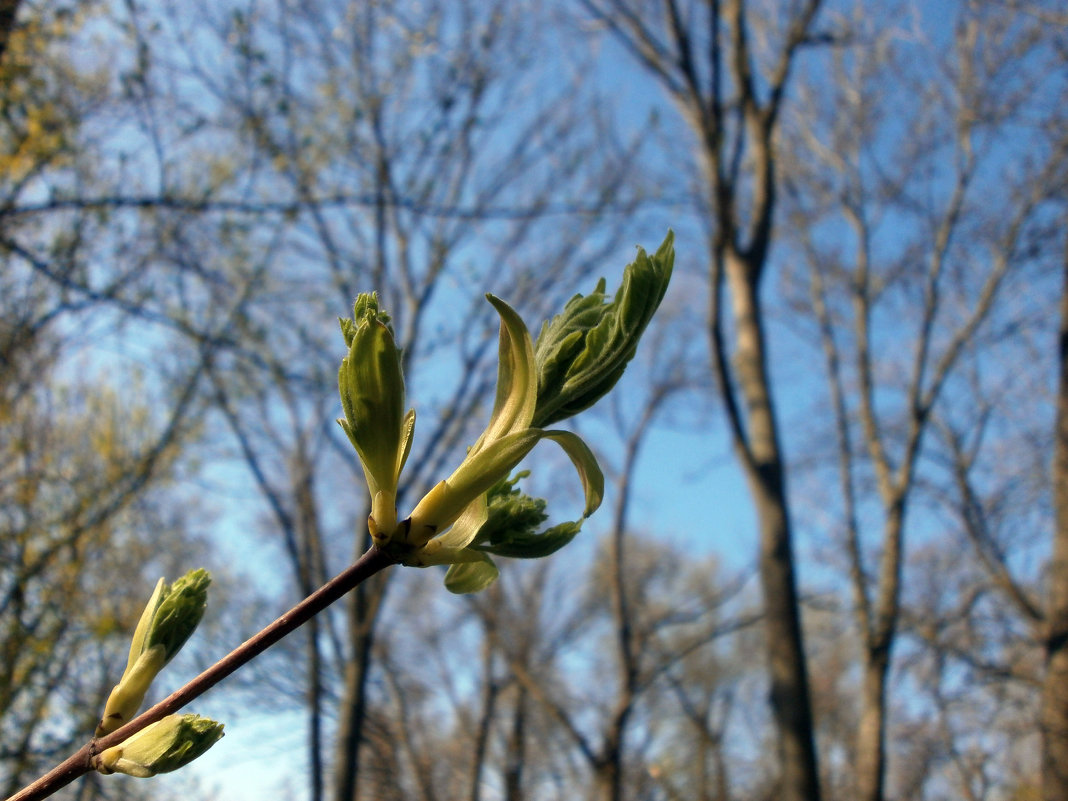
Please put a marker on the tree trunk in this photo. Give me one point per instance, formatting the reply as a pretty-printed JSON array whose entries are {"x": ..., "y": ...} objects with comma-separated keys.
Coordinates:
[
  {"x": 362, "y": 613},
  {"x": 879, "y": 641},
  {"x": 610, "y": 773},
  {"x": 308, "y": 555},
  {"x": 517, "y": 750},
  {"x": 762, "y": 457},
  {"x": 1055, "y": 688},
  {"x": 871, "y": 732}
]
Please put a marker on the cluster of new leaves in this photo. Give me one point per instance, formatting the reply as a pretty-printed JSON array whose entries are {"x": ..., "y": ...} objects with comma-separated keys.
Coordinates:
[{"x": 475, "y": 512}]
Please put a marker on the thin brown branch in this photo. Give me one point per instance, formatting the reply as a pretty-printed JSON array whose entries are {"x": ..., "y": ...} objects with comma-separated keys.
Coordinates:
[
  {"x": 81, "y": 762},
  {"x": 796, "y": 35},
  {"x": 558, "y": 711},
  {"x": 977, "y": 528},
  {"x": 846, "y": 467},
  {"x": 316, "y": 203},
  {"x": 631, "y": 31},
  {"x": 862, "y": 310}
]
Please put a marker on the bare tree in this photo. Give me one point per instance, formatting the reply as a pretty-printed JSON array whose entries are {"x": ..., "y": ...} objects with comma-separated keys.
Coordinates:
[
  {"x": 731, "y": 94},
  {"x": 88, "y": 475},
  {"x": 942, "y": 275}
]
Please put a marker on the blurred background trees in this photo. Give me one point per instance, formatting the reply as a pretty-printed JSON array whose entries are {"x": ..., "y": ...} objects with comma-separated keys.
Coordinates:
[{"x": 869, "y": 205}]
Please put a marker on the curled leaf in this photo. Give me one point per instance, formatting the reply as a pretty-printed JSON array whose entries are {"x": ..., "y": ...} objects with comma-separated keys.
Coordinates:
[{"x": 517, "y": 388}]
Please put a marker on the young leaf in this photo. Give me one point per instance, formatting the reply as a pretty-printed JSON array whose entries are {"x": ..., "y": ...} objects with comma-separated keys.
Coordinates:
[{"x": 582, "y": 352}]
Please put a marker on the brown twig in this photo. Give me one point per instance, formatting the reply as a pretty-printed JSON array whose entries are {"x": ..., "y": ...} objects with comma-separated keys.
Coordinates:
[{"x": 81, "y": 762}]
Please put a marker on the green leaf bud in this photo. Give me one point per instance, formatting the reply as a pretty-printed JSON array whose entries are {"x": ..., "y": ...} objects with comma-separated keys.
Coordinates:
[
  {"x": 371, "y": 385},
  {"x": 164, "y": 746},
  {"x": 582, "y": 352},
  {"x": 180, "y": 611},
  {"x": 170, "y": 618}
]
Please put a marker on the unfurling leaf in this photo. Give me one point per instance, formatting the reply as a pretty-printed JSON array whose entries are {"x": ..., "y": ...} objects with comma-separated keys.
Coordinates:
[
  {"x": 579, "y": 356},
  {"x": 582, "y": 352}
]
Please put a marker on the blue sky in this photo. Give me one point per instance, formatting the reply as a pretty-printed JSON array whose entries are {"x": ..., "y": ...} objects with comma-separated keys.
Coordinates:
[{"x": 688, "y": 490}]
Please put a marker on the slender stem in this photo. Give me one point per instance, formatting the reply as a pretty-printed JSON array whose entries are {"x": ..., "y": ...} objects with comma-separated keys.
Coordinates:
[{"x": 81, "y": 762}]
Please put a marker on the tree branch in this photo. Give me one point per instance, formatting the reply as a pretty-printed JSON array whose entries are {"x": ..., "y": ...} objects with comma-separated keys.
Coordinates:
[{"x": 81, "y": 762}]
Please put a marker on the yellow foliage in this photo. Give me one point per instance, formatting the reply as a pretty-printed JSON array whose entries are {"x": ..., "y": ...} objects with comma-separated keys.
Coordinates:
[
  {"x": 41, "y": 142},
  {"x": 40, "y": 90}
]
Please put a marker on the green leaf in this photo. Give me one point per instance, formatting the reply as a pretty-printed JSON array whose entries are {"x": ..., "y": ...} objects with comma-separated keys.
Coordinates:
[
  {"x": 127, "y": 696},
  {"x": 585, "y": 464},
  {"x": 467, "y": 525},
  {"x": 562, "y": 340},
  {"x": 513, "y": 517},
  {"x": 471, "y": 576},
  {"x": 517, "y": 388},
  {"x": 582, "y": 352},
  {"x": 137, "y": 643},
  {"x": 512, "y": 512}
]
